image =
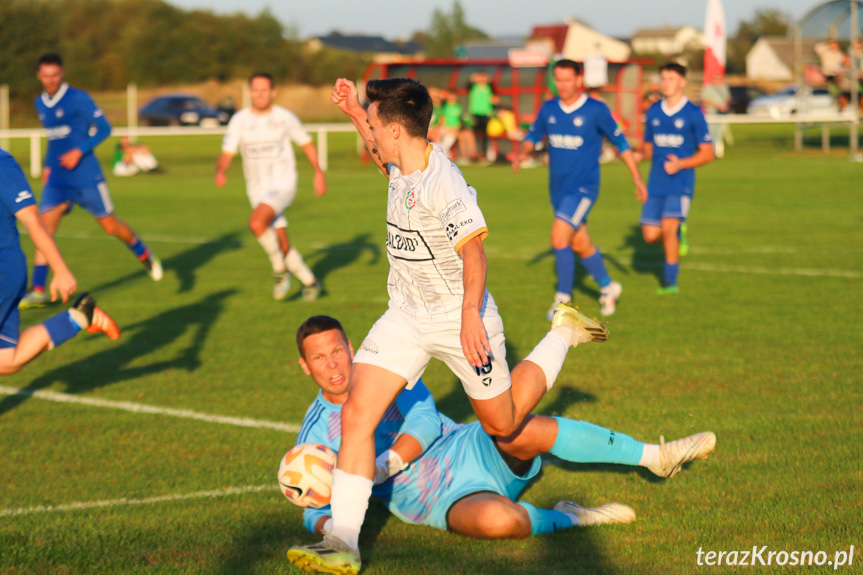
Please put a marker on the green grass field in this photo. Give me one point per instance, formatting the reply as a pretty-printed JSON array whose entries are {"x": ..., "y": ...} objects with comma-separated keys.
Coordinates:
[{"x": 762, "y": 346}]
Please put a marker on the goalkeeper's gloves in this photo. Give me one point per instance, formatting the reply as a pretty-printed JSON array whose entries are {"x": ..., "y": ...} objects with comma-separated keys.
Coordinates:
[{"x": 388, "y": 464}]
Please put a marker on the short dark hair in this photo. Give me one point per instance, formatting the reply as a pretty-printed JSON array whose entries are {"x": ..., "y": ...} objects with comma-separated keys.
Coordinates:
[
  {"x": 315, "y": 325},
  {"x": 576, "y": 67},
  {"x": 678, "y": 69},
  {"x": 403, "y": 101},
  {"x": 262, "y": 75},
  {"x": 51, "y": 59}
]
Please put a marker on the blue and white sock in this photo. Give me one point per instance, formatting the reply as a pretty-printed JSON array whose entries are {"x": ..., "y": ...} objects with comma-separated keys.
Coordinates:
[
  {"x": 564, "y": 264},
  {"x": 595, "y": 266},
  {"x": 61, "y": 328}
]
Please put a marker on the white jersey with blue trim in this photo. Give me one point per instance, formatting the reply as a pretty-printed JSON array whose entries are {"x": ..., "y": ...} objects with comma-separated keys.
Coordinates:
[
  {"x": 677, "y": 131},
  {"x": 431, "y": 214},
  {"x": 265, "y": 143},
  {"x": 575, "y": 135}
]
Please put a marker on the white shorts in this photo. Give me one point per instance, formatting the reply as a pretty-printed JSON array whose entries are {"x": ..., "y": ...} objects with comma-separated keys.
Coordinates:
[
  {"x": 278, "y": 199},
  {"x": 401, "y": 344}
]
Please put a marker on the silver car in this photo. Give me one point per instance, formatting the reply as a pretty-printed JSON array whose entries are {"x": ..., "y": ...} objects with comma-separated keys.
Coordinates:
[{"x": 792, "y": 101}]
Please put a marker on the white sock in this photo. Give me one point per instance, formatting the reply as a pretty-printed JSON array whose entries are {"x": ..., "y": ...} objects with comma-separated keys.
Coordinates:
[
  {"x": 560, "y": 297},
  {"x": 79, "y": 317},
  {"x": 650, "y": 455},
  {"x": 270, "y": 242},
  {"x": 549, "y": 354},
  {"x": 349, "y": 502},
  {"x": 298, "y": 267}
]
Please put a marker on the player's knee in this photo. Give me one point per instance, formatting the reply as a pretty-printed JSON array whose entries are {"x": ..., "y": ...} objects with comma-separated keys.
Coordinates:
[
  {"x": 652, "y": 236},
  {"x": 509, "y": 522},
  {"x": 354, "y": 420},
  {"x": 257, "y": 227},
  {"x": 8, "y": 368},
  {"x": 500, "y": 428}
]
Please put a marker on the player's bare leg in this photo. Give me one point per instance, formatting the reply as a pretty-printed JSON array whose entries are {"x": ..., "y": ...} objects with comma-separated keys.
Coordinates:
[
  {"x": 83, "y": 315},
  {"x": 489, "y": 516},
  {"x": 120, "y": 230},
  {"x": 36, "y": 296},
  {"x": 373, "y": 389}
]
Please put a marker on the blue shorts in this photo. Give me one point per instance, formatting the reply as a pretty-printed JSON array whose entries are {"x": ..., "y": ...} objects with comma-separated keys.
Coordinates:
[
  {"x": 14, "y": 286},
  {"x": 574, "y": 208},
  {"x": 476, "y": 466},
  {"x": 95, "y": 199},
  {"x": 658, "y": 208}
]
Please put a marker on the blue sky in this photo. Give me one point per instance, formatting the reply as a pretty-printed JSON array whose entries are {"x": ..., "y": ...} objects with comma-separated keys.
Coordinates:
[{"x": 393, "y": 19}]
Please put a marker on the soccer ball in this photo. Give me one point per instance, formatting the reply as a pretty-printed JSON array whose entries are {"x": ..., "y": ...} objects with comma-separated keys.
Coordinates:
[{"x": 306, "y": 474}]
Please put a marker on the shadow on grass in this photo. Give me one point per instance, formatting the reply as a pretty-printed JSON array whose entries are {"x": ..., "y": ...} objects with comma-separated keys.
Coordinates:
[
  {"x": 267, "y": 540},
  {"x": 335, "y": 256},
  {"x": 646, "y": 258},
  {"x": 138, "y": 340}
]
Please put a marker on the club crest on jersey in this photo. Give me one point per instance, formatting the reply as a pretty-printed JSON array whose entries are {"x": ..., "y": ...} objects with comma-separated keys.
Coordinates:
[
  {"x": 678, "y": 123},
  {"x": 552, "y": 120},
  {"x": 411, "y": 200},
  {"x": 655, "y": 122},
  {"x": 59, "y": 112},
  {"x": 578, "y": 121}
]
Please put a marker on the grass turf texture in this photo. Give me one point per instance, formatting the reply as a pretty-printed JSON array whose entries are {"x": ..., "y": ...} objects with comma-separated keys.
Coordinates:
[{"x": 760, "y": 347}]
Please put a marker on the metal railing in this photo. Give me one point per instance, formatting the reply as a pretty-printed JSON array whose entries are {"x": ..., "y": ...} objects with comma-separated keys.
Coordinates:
[{"x": 35, "y": 136}]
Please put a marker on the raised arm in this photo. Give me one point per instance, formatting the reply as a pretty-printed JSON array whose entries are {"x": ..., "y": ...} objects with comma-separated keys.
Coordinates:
[{"x": 347, "y": 98}]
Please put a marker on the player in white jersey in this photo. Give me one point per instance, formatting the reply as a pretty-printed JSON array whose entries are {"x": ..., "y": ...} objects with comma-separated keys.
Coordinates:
[
  {"x": 263, "y": 134},
  {"x": 439, "y": 306}
]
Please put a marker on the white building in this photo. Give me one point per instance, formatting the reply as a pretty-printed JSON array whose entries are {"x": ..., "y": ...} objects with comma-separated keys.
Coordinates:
[
  {"x": 577, "y": 41},
  {"x": 667, "y": 41},
  {"x": 772, "y": 58}
]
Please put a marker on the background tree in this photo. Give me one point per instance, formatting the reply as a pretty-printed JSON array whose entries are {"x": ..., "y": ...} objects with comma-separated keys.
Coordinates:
[
  {"x": 766, "y": 22},
  {"x": 447, "y": 32}
]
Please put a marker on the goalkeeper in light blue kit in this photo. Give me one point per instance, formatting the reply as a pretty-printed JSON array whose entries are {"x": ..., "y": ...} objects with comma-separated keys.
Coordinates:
[
  {"x": 677, "y": 138},
  {"x": 574, "y": 125},
  {"x": 72, "y": 174},
  {"x": 432, "y": 471}
]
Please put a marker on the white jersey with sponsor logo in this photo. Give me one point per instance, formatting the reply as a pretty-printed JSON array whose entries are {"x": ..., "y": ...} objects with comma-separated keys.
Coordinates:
[
  {"x": 431, "y": 214},
  {"x": 265, "y": 143}
]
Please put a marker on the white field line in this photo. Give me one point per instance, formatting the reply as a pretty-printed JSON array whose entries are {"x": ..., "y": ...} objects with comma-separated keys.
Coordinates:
[
  {"x": 150, "y": 409},
  {"x": 146, "y": 501}
]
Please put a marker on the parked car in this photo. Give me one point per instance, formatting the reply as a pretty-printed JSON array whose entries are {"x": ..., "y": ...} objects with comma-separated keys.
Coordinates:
[
  {"x": 180, "y": 110},
  {"x": 741, "y": 96},
  {"x": 791, "y": 101}
]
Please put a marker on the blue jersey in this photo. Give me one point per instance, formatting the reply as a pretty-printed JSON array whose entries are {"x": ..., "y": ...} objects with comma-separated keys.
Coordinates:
[
  {"x": 68, "y": 116},
  {"x": 15, "y": 194},
  {"x": 575, "y": 143},
  {"x": 677, "y": 132},
  {"x": 457, "y": 459}
]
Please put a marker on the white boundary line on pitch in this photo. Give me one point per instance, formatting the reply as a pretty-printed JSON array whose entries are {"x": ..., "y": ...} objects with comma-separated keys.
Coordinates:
[
  {"x": 151, "y": 409},
  {"x": 147, "y": 501}
]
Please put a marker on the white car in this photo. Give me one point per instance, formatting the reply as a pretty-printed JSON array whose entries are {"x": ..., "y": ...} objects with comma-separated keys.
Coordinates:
[{"x": 791, "y": 101}]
